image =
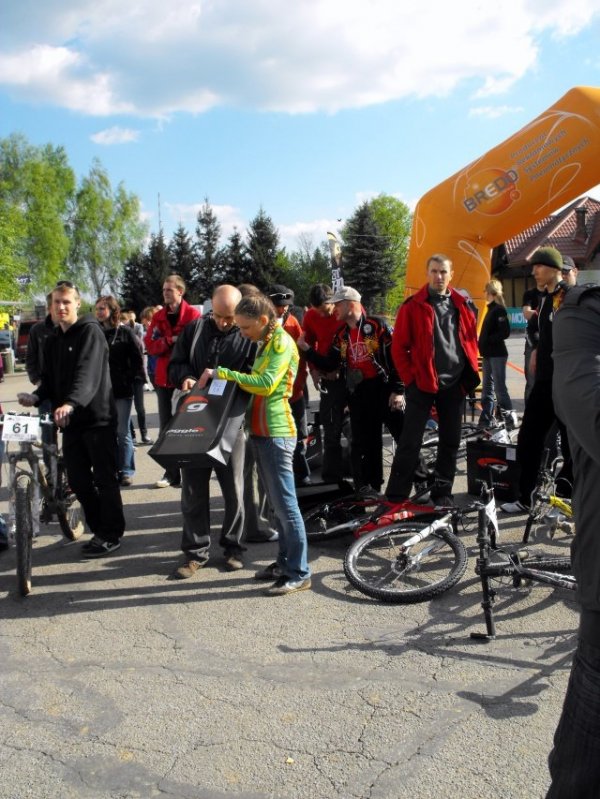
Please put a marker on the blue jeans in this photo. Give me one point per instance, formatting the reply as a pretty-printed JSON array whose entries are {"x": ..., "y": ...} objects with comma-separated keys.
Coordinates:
[
  {"x": 575, "y": 759},
  {"x": 493, "y": 387},
  {"x": 274, "y": 459},
  {"x": 124, "y": 440}
]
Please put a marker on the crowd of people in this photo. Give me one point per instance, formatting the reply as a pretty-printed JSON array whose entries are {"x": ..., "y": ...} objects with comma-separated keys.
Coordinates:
[{"x": 89, "y": 370}]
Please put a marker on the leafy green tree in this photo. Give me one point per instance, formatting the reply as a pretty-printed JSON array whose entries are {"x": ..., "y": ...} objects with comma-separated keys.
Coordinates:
[
  {"x": 105, "y": 231},
  {"x": 306, "y": 266},
  {"x": 262, "y": 247},
  {"x": 368, "y": 263},
  {"x": 235, "y": 260},
  {"x": 36, "y": 190},
  {"x": 209, "y": 257},
  {"x": 12, "y": 231},
  {"x": 394, "y": 220},
  {"x": 183, "y": 258}
]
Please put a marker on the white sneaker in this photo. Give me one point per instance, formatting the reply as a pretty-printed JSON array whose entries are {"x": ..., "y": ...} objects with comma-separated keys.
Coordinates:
[
  {"x": 514, "y": 507},
  {"x": 164, "y": 482}
]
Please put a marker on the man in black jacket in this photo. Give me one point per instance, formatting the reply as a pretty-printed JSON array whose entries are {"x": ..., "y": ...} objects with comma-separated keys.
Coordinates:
[
  {"x": 539, "y": 413},
  {"x": 575, "y": 759},
  {"x": 75, "y": 378},
  {"x": 204, "y": 344}
]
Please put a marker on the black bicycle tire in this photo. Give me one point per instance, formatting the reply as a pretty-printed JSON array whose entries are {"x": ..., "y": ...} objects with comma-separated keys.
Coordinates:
[
  {"x": 68, "y": 509},
  {"x": 23, "y": 531},
  {"x": 397, "y": 594},
  {"x": 320, "y": 523}
]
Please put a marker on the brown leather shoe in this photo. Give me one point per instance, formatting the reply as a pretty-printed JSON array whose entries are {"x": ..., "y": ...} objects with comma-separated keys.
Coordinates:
[{"x": 186, "y": 570}]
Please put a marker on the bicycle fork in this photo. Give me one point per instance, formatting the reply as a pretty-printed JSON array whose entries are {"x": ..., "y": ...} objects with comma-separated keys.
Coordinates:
[{"x": 488, "y": 593}]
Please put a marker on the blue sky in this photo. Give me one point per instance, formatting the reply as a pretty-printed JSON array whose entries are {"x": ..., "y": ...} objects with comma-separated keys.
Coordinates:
[{"x": 305, "y": 109}]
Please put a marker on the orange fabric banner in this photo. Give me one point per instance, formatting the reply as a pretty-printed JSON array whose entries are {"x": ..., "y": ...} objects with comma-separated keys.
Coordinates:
[{"x": 548, "y": 163}]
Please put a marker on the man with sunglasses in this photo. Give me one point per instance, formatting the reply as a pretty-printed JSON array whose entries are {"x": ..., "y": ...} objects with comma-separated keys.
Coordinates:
[
  {"x": 76, "y": 380},
  {"x": 212, "y": 341}
]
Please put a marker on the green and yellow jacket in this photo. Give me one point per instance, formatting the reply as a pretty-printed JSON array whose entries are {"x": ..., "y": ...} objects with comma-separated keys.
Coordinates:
[{"x": 270, "y": 382}]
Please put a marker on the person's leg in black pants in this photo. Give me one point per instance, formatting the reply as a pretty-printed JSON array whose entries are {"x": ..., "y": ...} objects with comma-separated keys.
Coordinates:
[
  {"x": 331, "y": 416},
  {"x": 449, "y": 403},
  {"x": 406, "y": 459},
  {"x": 367, "y": 434},
  {"x": 91, "y": 459},
  {"x": 537, "y": 420},
  {"x": 164, "y": 395},
  {"x": 140, "y": 410}
]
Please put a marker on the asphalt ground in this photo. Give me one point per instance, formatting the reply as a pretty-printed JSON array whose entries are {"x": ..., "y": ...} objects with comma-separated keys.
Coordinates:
[{"x": 117, "y": 682}]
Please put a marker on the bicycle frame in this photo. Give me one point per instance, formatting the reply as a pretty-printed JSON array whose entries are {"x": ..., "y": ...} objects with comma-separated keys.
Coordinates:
[
  {"x": 511, "y": 567},
  {"x": 26, "y": 454}
]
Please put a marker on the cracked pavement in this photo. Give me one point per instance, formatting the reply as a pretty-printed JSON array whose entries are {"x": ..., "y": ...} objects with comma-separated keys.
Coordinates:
[{"x": 117, "y": 683}]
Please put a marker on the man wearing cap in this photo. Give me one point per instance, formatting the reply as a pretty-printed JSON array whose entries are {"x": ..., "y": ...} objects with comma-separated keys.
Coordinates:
[
  {"x": 361, "y": 350},
  {"x": 547, "y": 265},
  {"x": 569, "y": 271},
  {"x": 320, "y": 325},
  {"x": 434, "y": 348},
  {"x": 282, "y": 298}
]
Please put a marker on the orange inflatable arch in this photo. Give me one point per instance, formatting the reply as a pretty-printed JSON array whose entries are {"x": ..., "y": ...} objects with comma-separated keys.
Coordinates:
[{"x": 548, "y": 163}]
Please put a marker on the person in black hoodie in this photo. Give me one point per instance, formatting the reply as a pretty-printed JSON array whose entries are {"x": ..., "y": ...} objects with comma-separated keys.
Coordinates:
[
  {"x": 492, "y": 348},
  {"x": 75, "y": 377},
  {"x": 125, "y": 362}
]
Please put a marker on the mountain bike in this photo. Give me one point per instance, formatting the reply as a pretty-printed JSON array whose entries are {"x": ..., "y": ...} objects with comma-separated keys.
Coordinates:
[
  {"x": 36, "y": 492},
  {"x": 414, "y": 561},
  {"x": 518, "y": 565},
  {"x": 549, "y": 513},
  {"x": 361, "y": 513}
]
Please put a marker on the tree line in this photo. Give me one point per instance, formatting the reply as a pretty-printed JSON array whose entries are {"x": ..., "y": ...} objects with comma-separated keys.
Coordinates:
[{"x": 52, "y": 226}]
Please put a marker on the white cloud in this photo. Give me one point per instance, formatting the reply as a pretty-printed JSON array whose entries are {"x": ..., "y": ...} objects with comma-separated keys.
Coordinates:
[
  {"x": 115, "y": 135},
  {"x": 101, "y": 57},
  {"x": 494, "y": 111}
]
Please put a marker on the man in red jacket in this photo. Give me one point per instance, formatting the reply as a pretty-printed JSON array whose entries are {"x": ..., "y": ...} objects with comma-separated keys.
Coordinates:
[
  {"x": 434, "y": 349},
  {"x": 165, "y": 327}
]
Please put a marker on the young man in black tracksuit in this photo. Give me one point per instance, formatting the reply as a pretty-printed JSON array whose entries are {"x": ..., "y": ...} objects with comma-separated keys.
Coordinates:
[{"x": 76, "y": 379}]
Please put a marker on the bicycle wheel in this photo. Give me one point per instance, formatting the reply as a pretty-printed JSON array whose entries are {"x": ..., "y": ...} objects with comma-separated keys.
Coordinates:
[
  {"x": 68, "y": 509},
  {"x": 23, "y": 532},
  {"x": 337, "y": 518},
  {"x": 380, "y": 566}
]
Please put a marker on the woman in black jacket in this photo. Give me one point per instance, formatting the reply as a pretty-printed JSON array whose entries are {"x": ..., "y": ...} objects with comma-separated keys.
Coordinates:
[
  {"x": 125, "y": 363},
  {"x": 494, "y": 330}
]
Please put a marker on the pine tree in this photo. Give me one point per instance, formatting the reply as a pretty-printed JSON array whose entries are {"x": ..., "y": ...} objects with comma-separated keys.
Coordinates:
[
  {"x": 263, "y": 243},
  {"x": 183, "y": 259},
  {"x": 368, "y": 263},
  {"x": 235, "y": 260},
  {"x": 145, "y": 274},
  {"x": 209, "y": 257}
]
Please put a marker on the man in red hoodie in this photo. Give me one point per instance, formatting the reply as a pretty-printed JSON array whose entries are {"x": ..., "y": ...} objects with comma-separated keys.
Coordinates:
[
  {"x": 164, "y": 329},
  {"x": 434, "y": 349}
]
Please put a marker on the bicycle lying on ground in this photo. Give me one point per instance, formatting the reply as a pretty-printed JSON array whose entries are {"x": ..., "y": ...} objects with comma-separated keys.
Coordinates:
[
  {"x": 549, "y": 513},
  {"x": 413, "y": 561},
  {"x": 518, "y": 565},
  {"x": 38, "y": 492}
]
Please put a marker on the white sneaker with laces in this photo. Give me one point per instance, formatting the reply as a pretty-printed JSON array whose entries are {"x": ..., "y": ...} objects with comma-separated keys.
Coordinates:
[{"x": 514, "y": 507}]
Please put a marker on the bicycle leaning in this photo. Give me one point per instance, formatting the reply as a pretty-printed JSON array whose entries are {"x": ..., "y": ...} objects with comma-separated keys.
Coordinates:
[{"x": 37, "y": 491}]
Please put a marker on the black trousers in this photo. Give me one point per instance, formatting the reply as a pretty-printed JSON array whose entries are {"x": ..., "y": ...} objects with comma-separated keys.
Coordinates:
[
  {"x": 369, "y": 411},
  {"x": 91, "y": 460},
  {"x": 164, "y": 395},
  {"x": 537, "y": 420},
  {"x": 449, "y": 403},
  {"x": 334, "y": 398},
  {"x": 138, "y": 401}
]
